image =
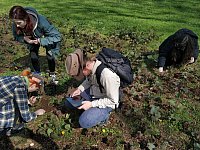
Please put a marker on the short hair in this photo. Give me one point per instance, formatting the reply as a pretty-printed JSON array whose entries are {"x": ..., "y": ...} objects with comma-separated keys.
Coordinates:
[{"x": 28, "y": 74}]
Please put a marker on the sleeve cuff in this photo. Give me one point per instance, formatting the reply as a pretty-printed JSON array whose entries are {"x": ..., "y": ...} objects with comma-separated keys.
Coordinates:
[
  {"x": 94, "y": 103},
  {"x": 81, "y": 88}
]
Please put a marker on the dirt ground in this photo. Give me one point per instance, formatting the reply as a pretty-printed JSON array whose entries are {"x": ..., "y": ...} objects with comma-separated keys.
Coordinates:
[{"x": 158, "y": 111}]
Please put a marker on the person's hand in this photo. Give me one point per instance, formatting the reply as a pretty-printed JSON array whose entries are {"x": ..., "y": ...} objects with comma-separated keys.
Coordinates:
[
  {"x": 36, "y": 41},
  {"x": 77, "y": 92},
  {"x": 191, "y": 60},
  {"x": 85, "y": 105},
  {"x": 160, "y": 69},
  {"x": 32, "y": 100},
  {"x": 39, "y": 112},
  {"x": 28, "y": 40}
]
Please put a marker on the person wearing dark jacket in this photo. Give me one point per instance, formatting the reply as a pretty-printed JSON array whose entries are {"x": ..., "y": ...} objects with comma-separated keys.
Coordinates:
[
  {"x": 180, "y": 48},
  {"x": 35, "y": 30}
]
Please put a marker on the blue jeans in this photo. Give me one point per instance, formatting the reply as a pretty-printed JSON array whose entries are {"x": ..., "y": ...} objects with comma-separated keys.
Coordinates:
[{"x": 93, "y": 116}]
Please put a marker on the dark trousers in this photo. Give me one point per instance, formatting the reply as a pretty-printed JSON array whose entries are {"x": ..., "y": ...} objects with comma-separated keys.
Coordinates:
[{"x": 34, "y": 54}]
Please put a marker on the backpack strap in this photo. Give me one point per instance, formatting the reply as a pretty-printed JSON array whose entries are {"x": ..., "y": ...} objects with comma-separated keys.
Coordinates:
[{"x": 98, "y": 75}]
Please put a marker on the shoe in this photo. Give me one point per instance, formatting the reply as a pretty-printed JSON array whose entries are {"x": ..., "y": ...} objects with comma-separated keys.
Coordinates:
[{"x": 52, "y": 76}]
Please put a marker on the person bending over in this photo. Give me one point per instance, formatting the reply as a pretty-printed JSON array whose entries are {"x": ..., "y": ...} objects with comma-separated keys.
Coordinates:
[
  {"x": 35, "y": 30},
  {"x": 178, "y": 49},
  {"x": 14, "y": 101}
]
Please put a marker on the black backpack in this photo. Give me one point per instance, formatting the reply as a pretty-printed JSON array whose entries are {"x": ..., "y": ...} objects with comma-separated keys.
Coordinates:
[{"x": 116, "y": 62}]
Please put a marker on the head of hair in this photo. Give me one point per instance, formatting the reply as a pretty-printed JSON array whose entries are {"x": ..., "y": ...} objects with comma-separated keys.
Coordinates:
[
  {"x": 183, "y": 49},
  {"x": 88, "y": 56},
  {"x": 28, "y": 74},
  {"x": 18, "y": 12}
]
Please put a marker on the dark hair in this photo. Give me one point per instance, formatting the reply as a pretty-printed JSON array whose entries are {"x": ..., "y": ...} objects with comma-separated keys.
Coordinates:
[
  {"x": 183, "y": 49},
  {"x": 18, "y": 12},
  {"x": 88, "y": 56}
]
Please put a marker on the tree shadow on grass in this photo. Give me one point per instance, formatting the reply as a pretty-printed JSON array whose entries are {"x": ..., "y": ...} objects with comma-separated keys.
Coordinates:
[
  {"x": 45, "y": 143},
  {"x": 25, "y": 62}
]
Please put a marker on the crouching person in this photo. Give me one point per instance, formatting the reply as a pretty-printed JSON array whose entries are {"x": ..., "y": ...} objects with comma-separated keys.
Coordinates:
[
  {"x": 97, "y": 104},
  {"x": 179, "y": 48},
  {"x": 14, "y": 102}
]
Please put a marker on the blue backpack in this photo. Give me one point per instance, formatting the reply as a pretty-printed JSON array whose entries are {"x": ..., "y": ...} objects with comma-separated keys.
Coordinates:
[{"x": 116, "y": 62}]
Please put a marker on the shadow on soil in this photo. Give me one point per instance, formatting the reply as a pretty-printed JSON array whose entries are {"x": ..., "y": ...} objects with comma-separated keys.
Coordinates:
[
  {"x": 42, "y": 141},
  {"x": 25, "y": 62}
]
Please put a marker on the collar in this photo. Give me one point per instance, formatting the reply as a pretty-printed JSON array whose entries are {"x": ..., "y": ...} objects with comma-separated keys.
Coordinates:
[
  {"x": 33, "y": 18},
  {"x": 97, "y": 63},
  {"x": 26, "y": 81}
]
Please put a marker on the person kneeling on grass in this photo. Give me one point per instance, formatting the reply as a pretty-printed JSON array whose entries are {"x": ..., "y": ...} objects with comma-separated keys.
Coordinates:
[
  {"x": 180, "y": 48},
  {"x": 97, "y": 104},
  {"x": 14, "y": 101}
]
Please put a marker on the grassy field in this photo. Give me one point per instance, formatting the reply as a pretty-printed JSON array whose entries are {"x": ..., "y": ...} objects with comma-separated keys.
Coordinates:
[
  {"x": 159, "y": 111},
  {"x": 165, "y": 16}
]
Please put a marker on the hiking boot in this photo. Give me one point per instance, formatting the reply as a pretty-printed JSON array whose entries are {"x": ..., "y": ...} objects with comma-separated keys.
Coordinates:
[{"x": 52, "y": 76}]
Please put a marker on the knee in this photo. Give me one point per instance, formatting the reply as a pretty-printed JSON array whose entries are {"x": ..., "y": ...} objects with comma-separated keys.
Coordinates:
[
  {"x": 88, "y": 119},
  {"x": 83, "y": 122}
]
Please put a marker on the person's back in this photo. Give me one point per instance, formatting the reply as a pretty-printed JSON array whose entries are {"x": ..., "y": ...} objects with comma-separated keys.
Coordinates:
[{"x": 179, "y": 48}]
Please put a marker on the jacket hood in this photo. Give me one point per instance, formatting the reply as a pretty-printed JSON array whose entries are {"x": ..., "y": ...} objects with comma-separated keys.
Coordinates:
[
  {"x": 31, "y": 10},
  {"x": 181, "y": 32},
  {"x": 34, "y": 13}
]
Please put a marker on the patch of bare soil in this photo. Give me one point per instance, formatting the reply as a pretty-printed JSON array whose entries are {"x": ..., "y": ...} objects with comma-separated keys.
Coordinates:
[{"x": 158, "y": 111}]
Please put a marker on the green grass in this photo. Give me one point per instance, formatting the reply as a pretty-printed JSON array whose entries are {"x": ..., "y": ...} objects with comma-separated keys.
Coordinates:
[
  {"x": 160, "y": 110},
  {"x": 165, "y": 16}
]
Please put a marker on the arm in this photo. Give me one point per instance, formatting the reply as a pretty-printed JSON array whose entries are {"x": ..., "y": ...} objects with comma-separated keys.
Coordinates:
[
  {"x": 21, "y": 99},
  {"x": 164, "y": 50},
  {"x": 85, "y": 85},
  {"x": 196, "y": 49},
  {"x": 51, "y": 34},
  {"x": 161, "y": 61},
  {"x": 111, "y": 84}
]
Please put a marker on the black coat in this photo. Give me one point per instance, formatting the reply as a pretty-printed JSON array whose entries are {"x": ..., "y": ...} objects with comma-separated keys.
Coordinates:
[{"x": 166, "y": 47}]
